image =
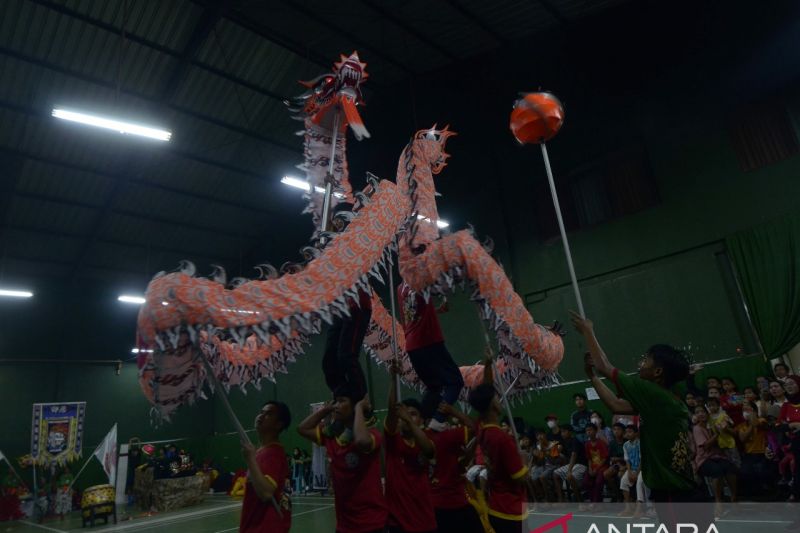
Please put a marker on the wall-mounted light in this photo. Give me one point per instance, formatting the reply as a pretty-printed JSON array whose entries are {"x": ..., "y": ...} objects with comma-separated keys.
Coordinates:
[
  {"x": 9, "y": 293},
  {"x": 125, "y": 298}
]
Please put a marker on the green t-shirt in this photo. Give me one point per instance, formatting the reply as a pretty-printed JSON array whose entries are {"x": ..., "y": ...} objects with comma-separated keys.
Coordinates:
[{"x": 664, "y": 433}]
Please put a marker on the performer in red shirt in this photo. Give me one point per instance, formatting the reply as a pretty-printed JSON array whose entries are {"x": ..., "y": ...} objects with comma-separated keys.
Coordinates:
[
  {"x": 268, "y": 470},
  {"x": 428, "y": 354},
  {"x": 508, "y": 510},
  {"x": 408, "y": 452},
  {"x": 454, "y": 513},
  {"x": 354, "y": 453}
]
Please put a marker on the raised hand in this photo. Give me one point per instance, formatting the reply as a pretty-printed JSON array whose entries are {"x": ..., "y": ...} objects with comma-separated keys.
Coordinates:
[{"x": 582, "y": 325}]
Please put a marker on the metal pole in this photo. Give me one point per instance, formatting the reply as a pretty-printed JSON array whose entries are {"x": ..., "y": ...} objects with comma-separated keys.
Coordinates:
[
  {"x": 326, "y": 201},
  {"x": 238, "y": 425},
  {"x": 504, "y": 397},
  {"x": 563, "y": 231},
  {"x": 394, "y": 326},
  {"x": 83, "y": 467}
]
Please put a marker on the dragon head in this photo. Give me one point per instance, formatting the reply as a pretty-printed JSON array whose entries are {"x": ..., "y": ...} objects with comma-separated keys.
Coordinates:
[
  {"x": 327, "y": 91},
  {"x": 430, "y": 143}
]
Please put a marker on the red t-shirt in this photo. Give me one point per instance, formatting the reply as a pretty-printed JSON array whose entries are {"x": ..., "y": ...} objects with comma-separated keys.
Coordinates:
[
  {"x": 507, "y": 497},
  {"x": 596, "y": 453},
  {"x": 359, "y": 502},
  {"x": 789, "y": 412},
  {"x": 448, "y": 485},
  {"x": 733, "y": 406},
  {"x": 408, "y": 494},
  {"x": 420, "y": 323},
  {"x": 261, "y": 517}
]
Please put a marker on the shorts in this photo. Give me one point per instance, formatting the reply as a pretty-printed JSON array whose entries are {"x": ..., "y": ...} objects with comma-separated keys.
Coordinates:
[
  {"x": 578, "y": 471},
  {"x": 716, "y": 468},
  {"x": 542, "y": 471},
  {"x": 625, "y": 483}
]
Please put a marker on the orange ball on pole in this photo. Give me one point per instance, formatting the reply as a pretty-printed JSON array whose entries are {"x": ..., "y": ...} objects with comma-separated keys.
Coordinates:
[{"x": 536, "y": 117}]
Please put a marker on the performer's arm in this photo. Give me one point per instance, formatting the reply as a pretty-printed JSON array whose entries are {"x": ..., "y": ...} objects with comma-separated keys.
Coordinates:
[
  {"x": 362, "y": 438},
  {"x": 450, "y": 410},
  {"x": 616, "y": 404},
  {"x": 599, "y": 360},
  {"x": 422, "y": 440},
  {"x": 308, "y": 427},
  {"x": 263, "y": 485}
]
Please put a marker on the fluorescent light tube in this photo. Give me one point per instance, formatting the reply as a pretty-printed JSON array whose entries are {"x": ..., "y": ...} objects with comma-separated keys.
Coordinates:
[
  {"x": 440, "y": 223},
  {"x": 297, "y": 183},
  {"x": 112, "y": 124},
  {"x": 15, "y": 294},
  {"x": 138, "y": 300}
]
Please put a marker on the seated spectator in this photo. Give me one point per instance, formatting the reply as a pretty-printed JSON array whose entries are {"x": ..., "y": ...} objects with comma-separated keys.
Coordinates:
[
  {"x": 554, "y": 429},
  {"x": 575, "y": 469},
  {"x": 597, "y": 462},
  {"x": 616, "y": 461},
  {"x": 762, "y": 383},
  {"x": 752, "y": 432},
  {"x": 547, "y": 457},
  {"x": 710, "y": 461},
  {"x": 723, "y": 425},
  {"x": 603, "y": 432}
]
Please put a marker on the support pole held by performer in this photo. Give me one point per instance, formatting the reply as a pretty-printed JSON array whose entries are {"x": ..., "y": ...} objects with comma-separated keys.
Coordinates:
[{"x": 326, "y": 201}]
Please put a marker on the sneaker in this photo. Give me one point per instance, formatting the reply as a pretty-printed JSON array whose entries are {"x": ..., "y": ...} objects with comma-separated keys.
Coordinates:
[{"x": 437, "y": 426}]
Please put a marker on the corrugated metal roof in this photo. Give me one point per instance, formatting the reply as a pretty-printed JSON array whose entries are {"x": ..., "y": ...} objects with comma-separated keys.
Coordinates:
[{"x": 215, "y": 187}]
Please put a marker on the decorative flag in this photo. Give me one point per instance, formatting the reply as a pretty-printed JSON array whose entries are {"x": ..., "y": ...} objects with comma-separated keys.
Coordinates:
[
  {"x": 57, "y": 432},
  {"x": 106, "y": 453}
]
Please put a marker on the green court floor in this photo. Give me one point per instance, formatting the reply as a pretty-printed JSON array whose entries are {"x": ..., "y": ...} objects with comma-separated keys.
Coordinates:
[{"x": 315, "y": 514}]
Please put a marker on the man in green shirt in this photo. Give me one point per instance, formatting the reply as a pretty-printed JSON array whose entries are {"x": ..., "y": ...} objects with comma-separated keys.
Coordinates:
[{"x": 665, "y": 450}]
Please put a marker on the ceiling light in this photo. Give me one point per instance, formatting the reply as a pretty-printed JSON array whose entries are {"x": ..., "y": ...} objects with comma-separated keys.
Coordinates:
[
  {"x": 112, "y": 124},
  {"x": 141, "y": 350},
  {"x": 138, "y": 300},
  {"x": 297, "y": 183},
  {"x": 439, "y": 223},
  {"x": 15, "y": 294}
]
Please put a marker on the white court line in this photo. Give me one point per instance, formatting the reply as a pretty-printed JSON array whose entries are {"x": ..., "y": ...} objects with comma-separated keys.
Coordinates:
[
  {"x": 753, "y": 521},
  {"x": 733, "y": 521},
  {"x": 293, "y": 516},
  {"x": 34, "y": 524},
  {"x": 145, "y": 523}
]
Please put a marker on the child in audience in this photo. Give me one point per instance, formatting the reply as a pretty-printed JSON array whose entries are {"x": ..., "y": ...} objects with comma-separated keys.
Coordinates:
[
  {"x": 597, "y": 462},
  {"x": 551, "y": 458},
  {"x": 633, "y": 466},
  {"x": 723, "y": 425},
  {"x": 710, "y": 461},
  {"x": 603, "y": 432}
]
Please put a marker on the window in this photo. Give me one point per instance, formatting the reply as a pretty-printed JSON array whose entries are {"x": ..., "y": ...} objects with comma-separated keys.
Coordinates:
[
  {"x": 618, "y": 184},
  {"x": 762, "y": 133}
]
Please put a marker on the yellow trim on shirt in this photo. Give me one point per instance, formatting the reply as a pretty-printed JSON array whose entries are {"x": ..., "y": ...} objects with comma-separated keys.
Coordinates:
[
  {"x": 522, "y": 472},
  {"x": 269, "y": 478},
  {"x": 504, "y": 516},
  {"x": 466, "y": 435},
  {"x": 319, "y": 436}
]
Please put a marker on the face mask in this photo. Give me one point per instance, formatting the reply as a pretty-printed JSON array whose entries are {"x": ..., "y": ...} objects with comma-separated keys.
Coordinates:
[
  {"x": 596, "y": 421},
  {"x": 748, "y": 415},
  {"x": 551, "y": 424}
]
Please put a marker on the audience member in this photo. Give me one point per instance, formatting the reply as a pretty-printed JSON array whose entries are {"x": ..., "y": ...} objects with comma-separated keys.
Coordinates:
[
  {"x": 752, "y": 434},
  {"x": 633, "y": 465},
  {"x": 731, "y": 400},
  {"x": 580, "y": 418},
  {"x": 575, "y": 469},
  {"x": 723, "y": 426},
  {"x": 597, "y": 462},
  {"x": 710, "y": 461},
  {"x": 616, "y": 461},
  {"x": 778, "y": 394},
  {"x": 554, "y": 429},
  {"x": 603, "y": 431}
]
